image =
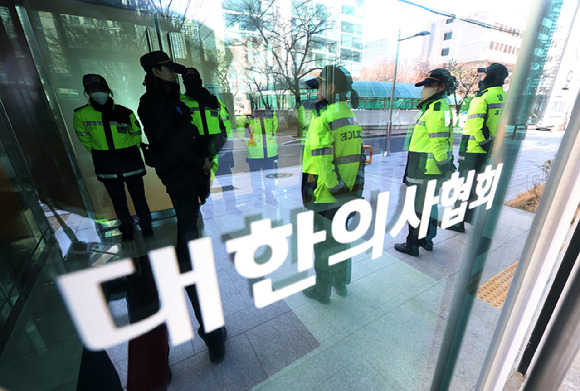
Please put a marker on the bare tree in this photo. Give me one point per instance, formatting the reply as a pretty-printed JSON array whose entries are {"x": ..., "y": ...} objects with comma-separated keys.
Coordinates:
[
  {"x": 467, "y": 78},
  {"x": 172, "y": 12},
  {"x": 287, "y": 40},
  {"x": 219, "y": 60},
  {"x": 407, "y": 72}
]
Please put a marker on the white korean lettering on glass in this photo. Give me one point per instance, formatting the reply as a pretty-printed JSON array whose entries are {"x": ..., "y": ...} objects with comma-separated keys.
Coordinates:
[
  {"x": 343, "y": 235},
  {"x": 486, "y": 186},
  {"x": 262, "y": 234},
  {"x": 453, "y": 190},
  {"x": 408, "y": 214},
  {"x": 431, "y": 200},
  {"x": 83, "y": 294},
  {"x": 84, "y": 297}
]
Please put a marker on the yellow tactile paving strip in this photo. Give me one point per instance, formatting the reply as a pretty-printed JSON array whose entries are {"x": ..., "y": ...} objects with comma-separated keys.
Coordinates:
[{"x": 495, "y": 290}]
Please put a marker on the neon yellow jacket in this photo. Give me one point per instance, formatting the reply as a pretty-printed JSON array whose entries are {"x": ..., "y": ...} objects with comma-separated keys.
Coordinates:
[
  {"x": 483, "y": 118},
  {"x": 118, "y": 130},
  {"x": 431, "y": 141},
  {"x": 262, "y": 142},
  {"x": 305, "y": 117},
  {"x": 335, "y": 141}
]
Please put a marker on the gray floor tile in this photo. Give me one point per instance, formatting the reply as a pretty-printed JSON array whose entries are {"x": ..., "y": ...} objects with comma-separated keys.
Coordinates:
[
  {"x": 315, "y": 322},
  {"x": 358, "y": 375},
  {"x": 289, "y": 343},
  {"x": 45, "y": 369}
]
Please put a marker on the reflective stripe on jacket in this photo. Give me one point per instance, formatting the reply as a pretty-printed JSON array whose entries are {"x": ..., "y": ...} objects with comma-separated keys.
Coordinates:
[
  {"x": 307, "y": 116},
  {"x": 118, "y": 129},
  {"x": 483, "y": 118},
  {"x": 262, "y": 141},
  {"x": 335, "y": 140},
  {"x": 212, "y": 116},
  {"x": 431, "y": 140},
  {"x": 225, "y": 117}
]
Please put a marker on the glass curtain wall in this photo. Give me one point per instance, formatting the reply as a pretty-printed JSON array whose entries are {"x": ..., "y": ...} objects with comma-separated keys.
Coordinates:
[{"x": 385, "y": 322}]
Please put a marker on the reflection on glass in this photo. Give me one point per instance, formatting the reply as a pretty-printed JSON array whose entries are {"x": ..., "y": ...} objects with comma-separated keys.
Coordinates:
[{"x": 255, "y": 59}]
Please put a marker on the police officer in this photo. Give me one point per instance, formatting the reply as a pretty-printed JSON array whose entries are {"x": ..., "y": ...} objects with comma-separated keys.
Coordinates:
[
  {"x": 334, "y": 153},
  {"x": 209, "y": 114},
  {"x": 480, "y": 129},
  {"x": 262, "y": 150},
  {"x": 180, "y": 160},
  {"x": 430, "y": 152},
  {"x": 112, "y": 134},
  {"x": 306, "y": 112}
]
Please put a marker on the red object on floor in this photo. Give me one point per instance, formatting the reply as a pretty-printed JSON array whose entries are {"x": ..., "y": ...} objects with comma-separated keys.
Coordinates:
[
  {"x": 370, "y": 159},
  {"x": 147, "y": 366}
]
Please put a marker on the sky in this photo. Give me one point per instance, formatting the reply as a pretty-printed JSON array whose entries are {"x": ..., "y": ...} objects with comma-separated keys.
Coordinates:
[{"x": 383, "y": 18}]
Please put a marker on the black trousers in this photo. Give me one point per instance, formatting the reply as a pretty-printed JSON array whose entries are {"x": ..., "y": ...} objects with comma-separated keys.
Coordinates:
[
  {"x": 413, "y": 236},
  {"x": 328, "y": 275},
  {"x": 116, "y": 190},
  {"x": 189, "y": 223},
  {"x": 467, "y": 162}
]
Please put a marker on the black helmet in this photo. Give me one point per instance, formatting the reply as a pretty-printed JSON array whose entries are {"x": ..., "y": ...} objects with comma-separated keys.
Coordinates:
[
  {"x": 92, "y": 80},
  {"x": 158, "y": 58},
  {"x": 442, "y": 76},
  {"x": 333, "y": 74},
  {"x": 495, "y": 75}
]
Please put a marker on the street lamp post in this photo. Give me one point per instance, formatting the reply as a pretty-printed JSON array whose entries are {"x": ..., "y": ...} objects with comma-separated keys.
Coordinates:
[{"x": 387, "y": 151}]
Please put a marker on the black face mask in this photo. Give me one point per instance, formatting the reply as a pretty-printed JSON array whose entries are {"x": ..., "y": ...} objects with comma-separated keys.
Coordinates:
[
  {"x": 168, "y": 89},
  {"x": 490, "y": 81}
]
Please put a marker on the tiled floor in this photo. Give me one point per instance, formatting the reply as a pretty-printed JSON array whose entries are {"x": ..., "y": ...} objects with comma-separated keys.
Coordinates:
[{"x": 384, "y": 336}]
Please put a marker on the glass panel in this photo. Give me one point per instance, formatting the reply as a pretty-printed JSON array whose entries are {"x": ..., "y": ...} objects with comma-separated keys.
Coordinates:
[
  {"x": 307, "y": 302},
  {"x": 37, "y": 134}
]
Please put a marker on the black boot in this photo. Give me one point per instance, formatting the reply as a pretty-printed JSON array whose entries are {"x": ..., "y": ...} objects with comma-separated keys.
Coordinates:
[
  {"x": 426, "y": 244},
  {"x": 340, "y": 288},
  {"x": 459, "y": 227},
  {"x": 215, "y": 342},
  {"x": 315, "y": 293},
  {"x": 407, "y": 249}
]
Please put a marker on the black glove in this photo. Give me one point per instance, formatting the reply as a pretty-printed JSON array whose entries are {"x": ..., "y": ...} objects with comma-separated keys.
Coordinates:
[
  {"x": 448, "y": 168},
  {"x": 486, "y": 147},
  {"x": 339, "y": 189}
]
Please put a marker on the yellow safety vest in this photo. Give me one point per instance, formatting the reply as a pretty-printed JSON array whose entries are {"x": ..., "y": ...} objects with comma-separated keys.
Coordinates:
[
  {"x": 305, "y": 117},
  {"x": 335, "y": 142},
  {"x": 118, "y": 130},
  {"x": 483, "y": 118},
  {"x": 431, "y": 141},
  {"x": 262, "y": 141}
]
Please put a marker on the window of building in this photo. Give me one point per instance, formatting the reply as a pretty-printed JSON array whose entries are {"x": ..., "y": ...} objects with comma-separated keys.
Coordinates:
[
  {"x": 346, "y": 27},
  {"x": 347, "y": 10},
  {"x": 445, "y": 52},
  {"x": 350, "y": 55},
  {"x": 447, "y": 36},
  {"x": 449, "y": 21},
  {"x": 357, "y": 43},
  {"x": 351, "y": 41},
  {"x": 491, "y": 45},
  {"x": 501, "y": 47},
  {"x": 230, "y": 20},
  {"x": 231, "y": 5},
  {"x": 358, "y": 29}
]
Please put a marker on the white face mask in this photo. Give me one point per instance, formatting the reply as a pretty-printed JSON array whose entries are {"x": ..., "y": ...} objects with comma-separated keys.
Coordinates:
[
  {"x": 99, "y": 97},
  {"x": 428, "y": 92}
]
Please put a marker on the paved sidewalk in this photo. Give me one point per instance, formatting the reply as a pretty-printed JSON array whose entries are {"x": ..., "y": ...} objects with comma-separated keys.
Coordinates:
[{"x": 384, "y": 336}]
